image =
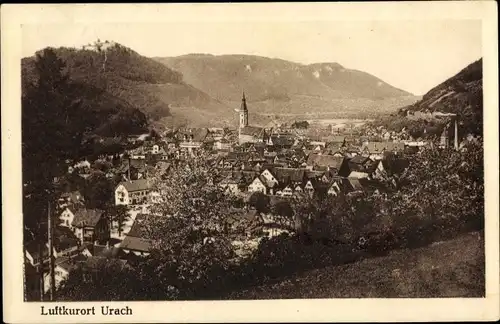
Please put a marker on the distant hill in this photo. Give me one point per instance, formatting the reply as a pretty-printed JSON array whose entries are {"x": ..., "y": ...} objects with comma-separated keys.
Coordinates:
[
  {"x": 203, "y": 90},
  {"x": 264, "y": 78},
  {"x": 276, "y": 86},
  {"x": 132, "y": 79},
  {"x": 461, "y": 94}
]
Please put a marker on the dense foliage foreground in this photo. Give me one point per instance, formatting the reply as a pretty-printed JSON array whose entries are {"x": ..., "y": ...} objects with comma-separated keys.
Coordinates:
[{"x": 439, "y": 196}]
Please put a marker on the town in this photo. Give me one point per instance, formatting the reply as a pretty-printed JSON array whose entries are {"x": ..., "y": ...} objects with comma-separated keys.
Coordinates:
[{"x": 261, "y": 166}]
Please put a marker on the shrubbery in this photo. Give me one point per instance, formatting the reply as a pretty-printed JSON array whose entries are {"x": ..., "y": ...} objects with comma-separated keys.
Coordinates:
[{"x": 335, "y": 230}]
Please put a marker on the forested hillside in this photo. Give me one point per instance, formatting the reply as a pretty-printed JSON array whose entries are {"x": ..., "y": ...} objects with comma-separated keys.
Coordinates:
[
  {"x": 130, "y": 79},
  {"x": 461, "y": 94}
]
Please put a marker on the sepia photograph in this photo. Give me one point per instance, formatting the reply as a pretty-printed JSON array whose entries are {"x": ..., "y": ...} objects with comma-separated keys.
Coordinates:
[{"x": 248, "y": 159}]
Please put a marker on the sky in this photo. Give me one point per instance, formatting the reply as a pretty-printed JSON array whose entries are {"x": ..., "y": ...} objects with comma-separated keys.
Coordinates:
[{"x": 412, "y": 55}]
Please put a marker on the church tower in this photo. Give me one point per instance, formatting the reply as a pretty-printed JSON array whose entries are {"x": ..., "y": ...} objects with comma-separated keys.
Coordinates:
[{"x": 243, "y": 112}]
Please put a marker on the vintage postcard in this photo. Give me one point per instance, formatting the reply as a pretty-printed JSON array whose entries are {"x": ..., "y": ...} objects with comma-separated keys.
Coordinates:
[{"x": 250, "y": 162}]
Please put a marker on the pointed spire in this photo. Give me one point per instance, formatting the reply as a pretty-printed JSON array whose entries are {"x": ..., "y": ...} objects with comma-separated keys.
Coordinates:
[{"x": 243, "y": 103}]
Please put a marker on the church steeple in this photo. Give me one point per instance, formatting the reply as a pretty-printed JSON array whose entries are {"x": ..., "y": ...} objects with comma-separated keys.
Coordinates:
[
  {"x": 244, "y": 102},
  {"x": 243, "y": 112}
]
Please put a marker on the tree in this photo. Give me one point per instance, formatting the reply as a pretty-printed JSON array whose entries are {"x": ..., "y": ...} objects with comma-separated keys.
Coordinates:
[
  {"x": 118, "y": 214},
  {"x": 192, "y": 239},
  {"x": 51, "y": 132},
  {"x": 98, "y": 191},
  {"x": 100, "y": 279},
  {"x": 239, "y": 203},
  {"x": 283, "y": 208},
  {"x": 259, "y": 201},
  {"x": 301, "y": 124},
  {"x": 456, "y": 178}
]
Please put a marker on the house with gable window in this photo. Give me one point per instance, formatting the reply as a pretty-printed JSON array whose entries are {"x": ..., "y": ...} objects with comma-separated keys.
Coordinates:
[
  {"x": 270, "y": 178},
  {"x": 261, "y": 184},
  {"x": 91, "y": 225},
  {"x": 137, "y": 242},
  {"x": 132, "y": 192}
]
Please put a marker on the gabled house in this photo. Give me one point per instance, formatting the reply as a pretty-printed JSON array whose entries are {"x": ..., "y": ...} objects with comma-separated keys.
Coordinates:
[
  {"x": 251, "y": 134},
  {"x": 73, "y": 198},
  {"x": 132, "y": 192},
  {"x": 32, "y": 253},
  {"x": 312, "y": 174},
  {"x": 91, "y": 225},
  {"x": 352, "y": 151},
  {"x": 245, "y": 177},
  {"x": 163, "y": 168},
  {"x": 159, "y": 152},
  {"x": 376, "y": 150},
  {"x": 65, "y": 242},
  {"x": 323, "y": 162},
  {"x": 310, "y": 187},
  {"x": 222, "y": 144},
  {"x": 280, "y": 141},
  {"x": 67, "y": 216},
  {"x": 336, "y": 140},
  {"x": 336, "y": 186},
  {"x": 260, "y": 184},
  {"x": 137, "y": 153},
  {"x": 298, "y": 190},
  {"x": 335, "y": 149},
  {"x": 361, "y": 165},
  {"x": 137, "y": 242},
  {"x": 290, "y": 176},
  {"x": 365, "y": 186},
  {"x": 133, "y": 169},
  {"x": 193, "y": 139},
  {"x": 62, "y": 269},
  {"x": 269, "y": 177}
]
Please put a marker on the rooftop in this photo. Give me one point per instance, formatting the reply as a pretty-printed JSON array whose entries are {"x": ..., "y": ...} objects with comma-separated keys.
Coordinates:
[
  {"x": 136, "y": 185},
  {"x": 87, "y": 217}
]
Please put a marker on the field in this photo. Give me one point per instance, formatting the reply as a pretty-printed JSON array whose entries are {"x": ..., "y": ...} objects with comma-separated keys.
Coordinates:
[{"x": 453, "y": 268}]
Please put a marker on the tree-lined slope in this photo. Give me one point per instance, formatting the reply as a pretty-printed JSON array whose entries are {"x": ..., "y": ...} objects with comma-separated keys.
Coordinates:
[
  {"x": 461, "y": 94},
  {"x": 135, "y": 80}
]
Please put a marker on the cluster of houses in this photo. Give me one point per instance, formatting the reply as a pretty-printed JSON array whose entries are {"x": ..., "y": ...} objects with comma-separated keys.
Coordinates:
[
  {"x": 279, "y": 162},
  {"x": 297, "y": 174}
]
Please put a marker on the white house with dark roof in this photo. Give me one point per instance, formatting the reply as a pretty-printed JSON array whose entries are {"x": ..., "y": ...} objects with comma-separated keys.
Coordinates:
[
  {"x": 67, "y": 216},
  {"x": 91, "y": 225},
  {"x": 137, "y": 241},
  {"x": 70, "y": 198},
  {"x": 269, "y": 176},
  {"x": 258, "y": 185},
  {"x": 335, "y": 187},
  {"x": 132, "y": 192}
]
